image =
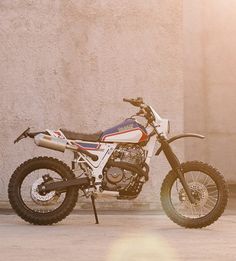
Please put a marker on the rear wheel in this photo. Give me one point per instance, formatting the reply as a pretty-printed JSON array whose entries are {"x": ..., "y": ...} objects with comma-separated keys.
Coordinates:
[
  {"x": 209, "y": 189},
  {"x": 29, "y": 204}
]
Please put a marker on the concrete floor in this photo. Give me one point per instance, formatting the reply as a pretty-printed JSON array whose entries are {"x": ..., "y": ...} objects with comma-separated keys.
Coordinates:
[{"x": 117, "y": 237}]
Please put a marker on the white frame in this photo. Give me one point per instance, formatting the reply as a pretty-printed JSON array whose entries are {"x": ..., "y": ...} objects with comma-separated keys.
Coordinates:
[{"x": 106, "y": 149}]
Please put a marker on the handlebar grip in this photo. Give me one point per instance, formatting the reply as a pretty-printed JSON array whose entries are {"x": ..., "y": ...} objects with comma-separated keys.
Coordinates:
[
  {"x": 126, "y": 100},
  {"x": 135, "y": 102}
]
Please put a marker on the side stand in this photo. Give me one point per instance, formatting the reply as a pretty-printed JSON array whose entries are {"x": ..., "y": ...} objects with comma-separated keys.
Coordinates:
[{"x": 94, "y": 209}]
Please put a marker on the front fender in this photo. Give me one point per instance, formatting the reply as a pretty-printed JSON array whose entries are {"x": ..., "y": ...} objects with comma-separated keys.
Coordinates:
[{"x": 184, "y": 135}]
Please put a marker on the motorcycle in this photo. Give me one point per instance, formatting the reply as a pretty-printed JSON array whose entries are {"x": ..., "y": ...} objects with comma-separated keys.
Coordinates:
[{"x": 115, "y": 163}]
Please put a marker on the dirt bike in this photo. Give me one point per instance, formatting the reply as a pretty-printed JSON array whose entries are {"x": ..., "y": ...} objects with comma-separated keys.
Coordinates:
[{"x": 115, "y": 163}]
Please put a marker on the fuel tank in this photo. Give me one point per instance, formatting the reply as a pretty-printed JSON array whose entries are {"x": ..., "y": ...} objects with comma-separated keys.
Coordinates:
[{"x": 128, "y": 131}]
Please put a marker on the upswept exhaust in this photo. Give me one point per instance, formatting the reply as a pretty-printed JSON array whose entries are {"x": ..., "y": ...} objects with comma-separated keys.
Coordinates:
[
  {"x": 50, "y": 142},
  {"x": 59, "y": 144}
]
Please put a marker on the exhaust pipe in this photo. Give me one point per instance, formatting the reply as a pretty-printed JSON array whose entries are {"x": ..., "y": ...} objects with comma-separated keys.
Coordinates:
[
  {"x": 50, "y": 142},
  {"x": 107, "y": 194},
  {"x": 59, "y": 144}
]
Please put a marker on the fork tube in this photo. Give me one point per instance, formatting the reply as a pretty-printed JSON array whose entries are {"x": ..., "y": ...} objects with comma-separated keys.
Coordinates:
[{"x": 176, "y": 166}]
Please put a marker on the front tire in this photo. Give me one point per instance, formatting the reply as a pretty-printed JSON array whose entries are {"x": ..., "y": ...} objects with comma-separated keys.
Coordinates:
[
  {"x": 29, "y": 204},
  {"x": 209, "y": 189}
]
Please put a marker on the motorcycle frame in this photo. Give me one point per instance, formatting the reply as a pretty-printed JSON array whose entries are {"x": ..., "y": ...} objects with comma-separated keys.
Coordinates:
[
  {"x": 105, "y": 149},
  {"x": 157, "y": 132},
  {"x": 103, "y": 154}
]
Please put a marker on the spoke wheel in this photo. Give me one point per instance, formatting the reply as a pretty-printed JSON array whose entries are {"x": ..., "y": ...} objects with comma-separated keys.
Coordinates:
[
  {"x": 208, "y": 189},
  {"x": 29, "y": 203}
]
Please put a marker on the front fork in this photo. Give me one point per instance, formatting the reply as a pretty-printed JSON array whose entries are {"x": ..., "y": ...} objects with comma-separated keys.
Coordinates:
[{"x": 176, "y": 166}]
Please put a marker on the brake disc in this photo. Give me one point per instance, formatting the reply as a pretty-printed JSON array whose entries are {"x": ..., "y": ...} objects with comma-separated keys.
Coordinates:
[
  {"x": 199, "y": 192},
  {"x": 49, "y": 198}
]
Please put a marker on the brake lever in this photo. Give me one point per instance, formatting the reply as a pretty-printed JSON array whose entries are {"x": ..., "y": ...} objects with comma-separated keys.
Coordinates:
[{"x": 141, "y": 112}]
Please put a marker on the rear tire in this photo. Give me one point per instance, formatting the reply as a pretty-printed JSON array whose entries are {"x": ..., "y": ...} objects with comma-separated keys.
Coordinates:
[
  {"x": 203, "y": 220},
  {"x": 20, "y": 206}
]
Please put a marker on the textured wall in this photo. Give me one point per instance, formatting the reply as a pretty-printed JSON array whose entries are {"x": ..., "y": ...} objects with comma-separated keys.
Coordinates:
[
  {"x": 209, "y": 76},
  {"x": 70, "y": 63},
  {"x": 195, "y": 98}
]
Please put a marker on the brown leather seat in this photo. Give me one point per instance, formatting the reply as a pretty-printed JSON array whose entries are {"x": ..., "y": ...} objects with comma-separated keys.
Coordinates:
[{"x": 71, "y": 135}]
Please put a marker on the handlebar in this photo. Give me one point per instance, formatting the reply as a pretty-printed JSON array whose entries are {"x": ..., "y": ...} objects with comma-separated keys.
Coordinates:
[
  {"x": 135, "y": 102},
  {"x": 126, "y": 100},
  {"x": 144, "y": 111}
]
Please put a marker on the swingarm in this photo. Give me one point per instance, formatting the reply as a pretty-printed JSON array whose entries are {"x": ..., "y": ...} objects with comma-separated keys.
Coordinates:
[{"x": 49, "y": 185}]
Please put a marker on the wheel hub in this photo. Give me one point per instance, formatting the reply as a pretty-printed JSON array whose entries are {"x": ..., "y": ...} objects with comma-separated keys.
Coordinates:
[
  {"x": 199, "y": 192},
  {"x": 48, "y": 199}
]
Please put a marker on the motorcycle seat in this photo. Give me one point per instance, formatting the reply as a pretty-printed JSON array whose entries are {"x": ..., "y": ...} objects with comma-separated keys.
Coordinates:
[{"x": 71, "y": 135}]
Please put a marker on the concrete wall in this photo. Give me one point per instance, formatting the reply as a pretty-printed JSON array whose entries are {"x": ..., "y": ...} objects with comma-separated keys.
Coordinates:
[
  {"x": 70, "y": 63},
  {"x": 209, "y": 79}
]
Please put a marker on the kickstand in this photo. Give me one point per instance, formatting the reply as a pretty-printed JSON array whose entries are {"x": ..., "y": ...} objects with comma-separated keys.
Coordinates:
[{"x": 94, "y": 209}]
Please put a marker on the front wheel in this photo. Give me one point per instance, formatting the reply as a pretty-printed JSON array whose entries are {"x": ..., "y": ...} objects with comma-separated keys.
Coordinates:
[{"x": 207, "y": 186}]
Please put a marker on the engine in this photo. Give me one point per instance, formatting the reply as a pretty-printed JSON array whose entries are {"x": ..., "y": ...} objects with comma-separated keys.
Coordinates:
[
  {"x": 119, "y": 179},
  {"x": 131, "y": 153}
]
